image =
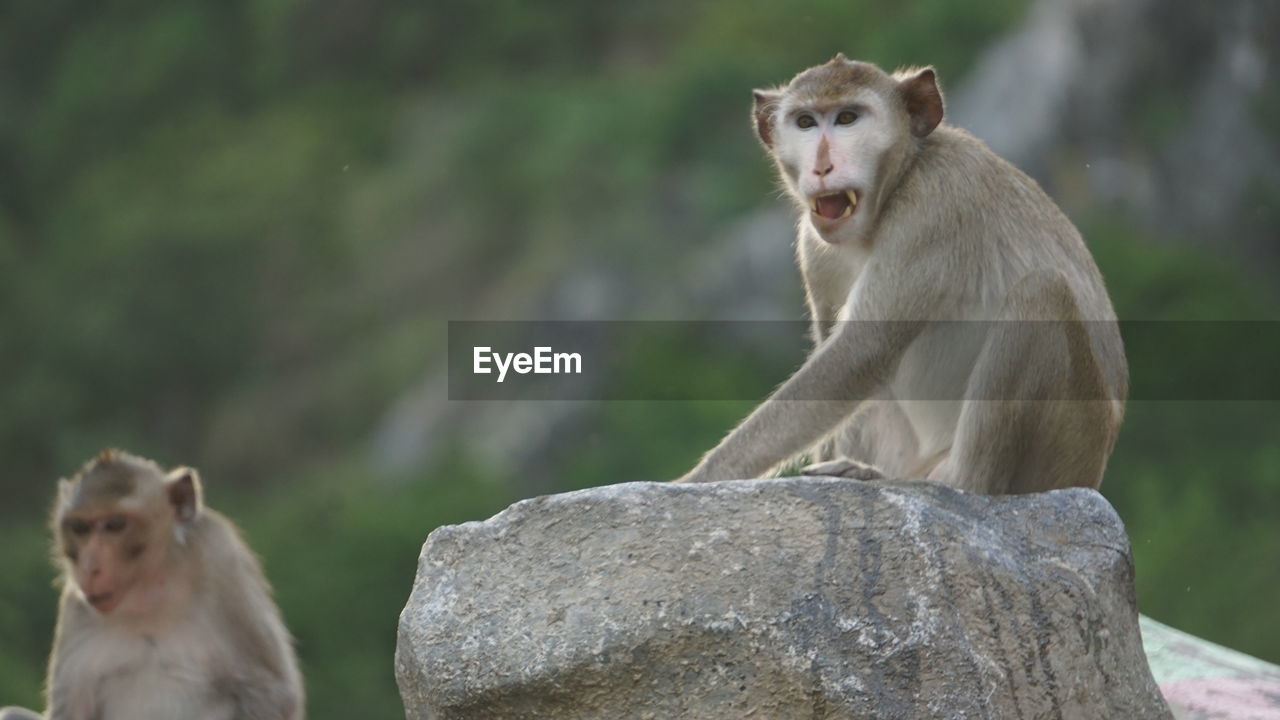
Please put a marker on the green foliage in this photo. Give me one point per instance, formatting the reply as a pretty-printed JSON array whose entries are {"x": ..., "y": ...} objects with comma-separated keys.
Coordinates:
[
  {"x": 28, "y": 605},
  {"x": 1197, "y": 483},
  {"x": 342, "y": 549}
]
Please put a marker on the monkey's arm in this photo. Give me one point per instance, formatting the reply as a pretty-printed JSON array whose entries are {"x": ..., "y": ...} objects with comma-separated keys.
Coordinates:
[
  {"x": 260, "y": 674},
  {"x": 265, "y": 683},
  {"x": 820, "y": 324},
  {"x": 840, "y": 374},
  {"x": 887, "y": 309},
  {"x": 266, "y": 700},
  {"x": 67, "y": 698}
]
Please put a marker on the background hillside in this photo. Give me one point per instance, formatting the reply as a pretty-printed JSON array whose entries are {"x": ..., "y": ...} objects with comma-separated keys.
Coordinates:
[{"x": 232, "y": 233}]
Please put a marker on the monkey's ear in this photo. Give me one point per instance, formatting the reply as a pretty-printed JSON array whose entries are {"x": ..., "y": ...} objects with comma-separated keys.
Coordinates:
[
  {"x": 65, "y": 488},
  {"x": 766, "y": 102},
  {"x": 183, "y": 488},
  {"x": 924, "y": 101}
]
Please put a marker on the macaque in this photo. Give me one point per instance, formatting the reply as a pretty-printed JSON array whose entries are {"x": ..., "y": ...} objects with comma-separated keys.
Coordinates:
[
  {"x": 962, "y": 333},
  {"x": 165, "y": 612}
]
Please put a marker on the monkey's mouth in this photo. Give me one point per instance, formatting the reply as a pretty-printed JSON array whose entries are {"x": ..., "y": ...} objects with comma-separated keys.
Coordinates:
[
  {"x": 102, "y": 602},
  {"x": 834, "y": 206}
]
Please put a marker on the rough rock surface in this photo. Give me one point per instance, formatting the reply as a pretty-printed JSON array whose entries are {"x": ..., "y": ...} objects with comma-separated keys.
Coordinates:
[
  {"x": 1077, "y": 70},
  {"x": 791, "y": 598}
]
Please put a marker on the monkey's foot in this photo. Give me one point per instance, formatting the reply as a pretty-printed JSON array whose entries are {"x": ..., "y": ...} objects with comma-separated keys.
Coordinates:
[{"x": 845, "y": 468}]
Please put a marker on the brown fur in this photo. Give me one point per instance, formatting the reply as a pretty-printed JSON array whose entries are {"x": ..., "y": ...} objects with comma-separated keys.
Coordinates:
[
  {"x": 165, "y": 611},
  {"x": 943, "y": 230}
]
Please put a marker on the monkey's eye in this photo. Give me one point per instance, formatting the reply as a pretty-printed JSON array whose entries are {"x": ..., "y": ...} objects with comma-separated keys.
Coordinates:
[
  {"x": 805, "y": 122},
  {"x": 78, "y": 527},
  {"x": 846, "y": 117},
  {"x": 115, "y": 523}
]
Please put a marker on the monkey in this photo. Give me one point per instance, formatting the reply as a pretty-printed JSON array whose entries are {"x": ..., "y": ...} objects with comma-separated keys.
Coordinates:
[
  {"x": 165, "y": 611},
  {"x": 962, "y": 334}
]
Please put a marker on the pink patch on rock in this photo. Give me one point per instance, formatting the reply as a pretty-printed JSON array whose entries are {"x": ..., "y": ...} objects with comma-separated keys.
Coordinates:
[{"x": 1225, "y": 698}]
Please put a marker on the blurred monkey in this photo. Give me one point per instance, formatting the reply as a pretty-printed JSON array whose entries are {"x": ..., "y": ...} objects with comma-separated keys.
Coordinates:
[
  {"x": 165, "y": 612},
  {"x": 906, "y": 222}
]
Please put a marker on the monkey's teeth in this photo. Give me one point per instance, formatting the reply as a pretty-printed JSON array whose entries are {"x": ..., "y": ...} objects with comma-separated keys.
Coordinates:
[{"x": 829, "y": 206}]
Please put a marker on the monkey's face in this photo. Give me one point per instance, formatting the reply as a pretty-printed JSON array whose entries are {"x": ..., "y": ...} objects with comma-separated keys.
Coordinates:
[
  {"x": 840, "y": 134},
  {"x": 121, "y": 526},
  {"x": 832, "y": 154},
  {"x": 111, "y": 552}
]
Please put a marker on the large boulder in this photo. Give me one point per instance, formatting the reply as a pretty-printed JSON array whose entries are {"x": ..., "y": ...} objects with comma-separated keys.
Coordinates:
[{"x": 775, "y": 599}]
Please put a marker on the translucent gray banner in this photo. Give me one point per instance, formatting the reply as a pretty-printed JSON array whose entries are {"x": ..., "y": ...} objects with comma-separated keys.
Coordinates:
[{"x": 689, "y": 361}]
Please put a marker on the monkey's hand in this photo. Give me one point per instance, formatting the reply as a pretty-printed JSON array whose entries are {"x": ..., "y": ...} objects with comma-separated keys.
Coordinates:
[
  {"x": 845, "y": 468},
  {"x": 693, "y": 476},
  {"x": 705, "y": 473}
]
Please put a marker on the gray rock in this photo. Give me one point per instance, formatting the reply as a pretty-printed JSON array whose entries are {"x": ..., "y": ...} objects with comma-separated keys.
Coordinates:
[
  {"x": 774, "y": 599},
  {"x": 1082, "y": 74}
]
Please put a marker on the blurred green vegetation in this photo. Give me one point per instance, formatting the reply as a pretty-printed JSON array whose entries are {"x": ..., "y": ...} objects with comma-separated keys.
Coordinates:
[{"x": 231, "y": 232}]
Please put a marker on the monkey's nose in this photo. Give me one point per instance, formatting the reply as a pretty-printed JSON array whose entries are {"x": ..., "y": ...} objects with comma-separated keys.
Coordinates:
[{"x": 823, "y": 170}]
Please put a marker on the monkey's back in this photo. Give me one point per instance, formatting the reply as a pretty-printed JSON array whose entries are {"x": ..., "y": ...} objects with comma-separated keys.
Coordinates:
[
  {"x": 1003, "y": 227},
  {"x": 999, "y": 216}
]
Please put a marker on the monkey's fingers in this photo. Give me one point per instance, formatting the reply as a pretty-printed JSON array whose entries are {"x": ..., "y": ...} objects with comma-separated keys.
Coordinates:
[{"x": 845, "y": 468}]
